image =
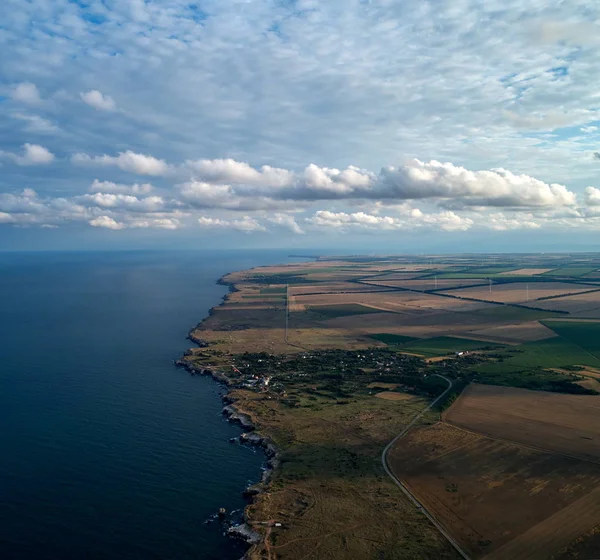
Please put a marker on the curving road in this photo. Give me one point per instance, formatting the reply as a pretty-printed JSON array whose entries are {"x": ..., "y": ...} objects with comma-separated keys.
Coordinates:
[{"x": 404, "y": 489}]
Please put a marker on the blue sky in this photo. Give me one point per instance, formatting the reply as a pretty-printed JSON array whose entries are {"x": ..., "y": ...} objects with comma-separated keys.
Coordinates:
[{"x": 375, "y": 125}]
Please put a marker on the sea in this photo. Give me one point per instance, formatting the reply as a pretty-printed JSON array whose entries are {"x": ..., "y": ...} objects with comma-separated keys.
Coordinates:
[{"x": 107, "y": 450}]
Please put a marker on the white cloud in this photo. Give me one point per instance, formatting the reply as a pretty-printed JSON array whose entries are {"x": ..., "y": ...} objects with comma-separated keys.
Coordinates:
[
  {"x": 589, "y": 129},
  {"x": 499, "y": 222},
  {"x": 246, "y": 224},
  {"x": 106, "y": 222},
  {"x": 127, "y": 161},
  {"x": 592, "y": 196},
  {"x": 128, "y": 202},
  {"x": 495, "y": 187},
  {"x": 96, "y": 99},
  {"x": 446, "y": 221},
  {"x": 117, "y": 188},
  {"x": 286, "y": 221},
  {"x": 27, "y": 93},
  {"x": 228, "y": 171},
  {"x": 157, "y": 223},
  {"x": 33, "y": 154}
]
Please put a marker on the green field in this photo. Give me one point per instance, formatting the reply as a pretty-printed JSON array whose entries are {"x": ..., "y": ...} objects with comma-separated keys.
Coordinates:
[
  {"x": 392, "y": 339},
  {"x": 584, "y": 334},
  {"x": 266, "y": 297},
  {"x": 443, "y": 345},
  {"x": 342, "y": 310},
  {"x": 549, "y": 353},
  {"x": 273, "y": 291},
  {"x": 573, "y": 271}
]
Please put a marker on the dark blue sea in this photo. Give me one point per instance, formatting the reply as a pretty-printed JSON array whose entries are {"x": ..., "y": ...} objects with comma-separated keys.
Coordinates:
[{"x": 107, "y": 450}]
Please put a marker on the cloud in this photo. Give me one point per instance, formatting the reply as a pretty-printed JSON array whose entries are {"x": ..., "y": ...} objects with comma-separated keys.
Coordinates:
[
  {"x": 27, "y": 93},
  {"x": 246, "y": 224},
  {"x": 592, "y": 196},
  {"x": 36, "y": 124},
  {"x": 495, "y": 187},
  {"x": 576, "y": 32},
  {"x": 33, "y": 154},
  {"x": 286, "y": 221},
  {"x": 226, "y": 171},
  {"x": 596, "y": 155},
  {"x": 499, "y": 222},
  {"x": 127, "y": 202},
  {"x": 446, "y": 221},
  {"x": 117, "y": 188},
  {"x": 96, "y": 99},
  {"x": 127, "y": 161},
  {"x": 106, "y": 222}
]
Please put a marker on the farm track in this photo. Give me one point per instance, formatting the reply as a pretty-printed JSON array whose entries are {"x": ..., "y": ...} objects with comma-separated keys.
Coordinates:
[{"x": 405, "y": 489}]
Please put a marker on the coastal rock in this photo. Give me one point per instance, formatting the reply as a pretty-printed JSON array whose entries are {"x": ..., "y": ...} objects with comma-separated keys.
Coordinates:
[
  {"x": 235, "y": 416},
  {"x": 245, "y": 532}
]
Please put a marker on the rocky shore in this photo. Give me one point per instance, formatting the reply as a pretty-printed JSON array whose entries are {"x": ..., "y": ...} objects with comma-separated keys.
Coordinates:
[{"x": 249, "y": 435}]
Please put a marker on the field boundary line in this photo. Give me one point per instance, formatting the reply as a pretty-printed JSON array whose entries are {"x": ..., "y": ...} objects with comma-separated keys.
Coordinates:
[
  {"x": 523, "y": 445},
  {"x": 407, "y": 492}
]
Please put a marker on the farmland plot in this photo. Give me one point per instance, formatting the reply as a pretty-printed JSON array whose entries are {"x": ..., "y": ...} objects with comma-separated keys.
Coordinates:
[{"x": 558, "y": 423}]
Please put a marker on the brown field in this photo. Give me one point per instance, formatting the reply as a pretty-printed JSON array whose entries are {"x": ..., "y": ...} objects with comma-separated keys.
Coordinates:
[
  {"x": 517, "y": 293},
  {"x": 426, "y": 283},
  {"x": 397, "y": 302},
  {"x": 332, "y": 287},
  {"x": 500, "y": 500},
  {"x": 392, "y": 276},
  {"x": 582, "y": 305},
  {"x": 515, "y": 334},
  {"x": 557, "y": 423},
  {"x": 525, "y": 272}
]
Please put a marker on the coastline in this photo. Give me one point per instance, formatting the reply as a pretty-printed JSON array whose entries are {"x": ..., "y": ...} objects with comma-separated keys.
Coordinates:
[{"x": 250, "y": 435}]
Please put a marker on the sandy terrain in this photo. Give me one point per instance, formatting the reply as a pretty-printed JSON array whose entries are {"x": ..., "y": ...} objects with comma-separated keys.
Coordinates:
[{"x": 558, "y": 423}]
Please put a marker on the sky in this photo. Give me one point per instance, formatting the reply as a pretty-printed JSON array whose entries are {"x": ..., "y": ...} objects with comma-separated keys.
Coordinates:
[{"x": 354, "y": 125}]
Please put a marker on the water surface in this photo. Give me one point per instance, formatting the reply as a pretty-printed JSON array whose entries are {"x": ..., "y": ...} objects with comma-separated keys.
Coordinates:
[{"x": 107, "y": 449}]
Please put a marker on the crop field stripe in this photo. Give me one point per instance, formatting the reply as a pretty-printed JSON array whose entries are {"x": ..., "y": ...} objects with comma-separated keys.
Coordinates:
[{"x": 554, "y": 533}]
